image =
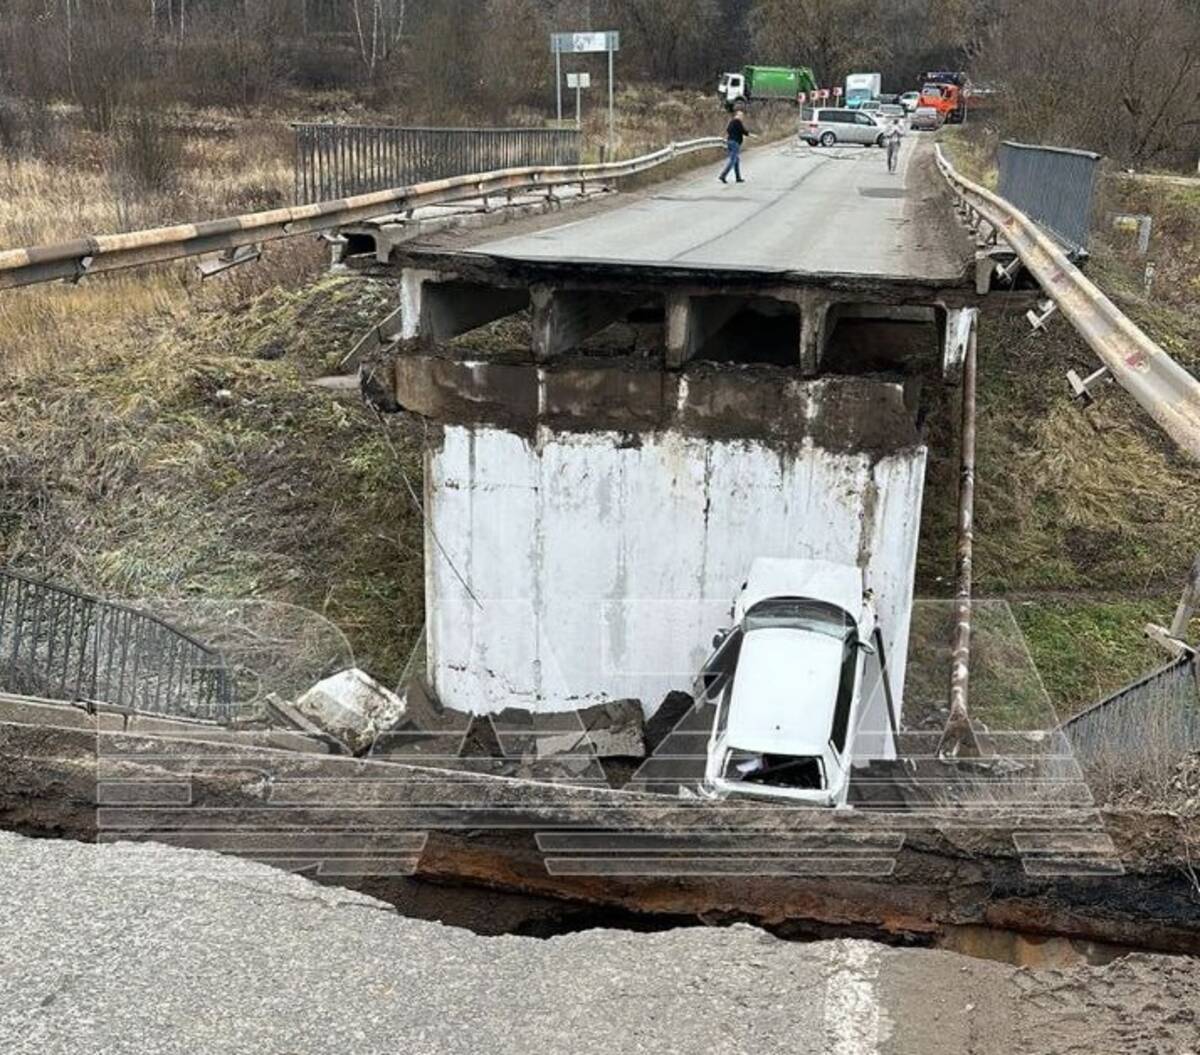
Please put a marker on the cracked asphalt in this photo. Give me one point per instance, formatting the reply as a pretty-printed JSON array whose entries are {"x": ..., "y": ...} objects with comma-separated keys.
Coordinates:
[{"x": 149, "y": 949}]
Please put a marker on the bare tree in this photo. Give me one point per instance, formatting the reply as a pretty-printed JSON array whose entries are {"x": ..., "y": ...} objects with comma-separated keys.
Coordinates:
[
  {"x": 834, "y": 37},
  {"x": 1124, "y": 81}
]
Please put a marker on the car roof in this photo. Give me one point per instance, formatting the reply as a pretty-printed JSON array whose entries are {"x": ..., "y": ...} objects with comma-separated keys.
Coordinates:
[
  {"x": 784, "y": 691},
  {"x": 821, "y": 580}
]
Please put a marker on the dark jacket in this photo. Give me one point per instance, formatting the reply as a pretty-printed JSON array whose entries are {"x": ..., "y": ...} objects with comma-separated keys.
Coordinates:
[{"x": 736, "y": 131}]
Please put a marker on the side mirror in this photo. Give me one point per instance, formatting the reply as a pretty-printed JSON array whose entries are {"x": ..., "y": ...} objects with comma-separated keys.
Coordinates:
[{"x": 867, "y": 648}]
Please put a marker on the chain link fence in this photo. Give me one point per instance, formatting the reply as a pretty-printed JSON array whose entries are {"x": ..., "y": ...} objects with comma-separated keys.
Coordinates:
[
  {"x": 338, "y": 161},
  {"x": 59, "y": 644},
  {"x": 1052, "y": 186}
]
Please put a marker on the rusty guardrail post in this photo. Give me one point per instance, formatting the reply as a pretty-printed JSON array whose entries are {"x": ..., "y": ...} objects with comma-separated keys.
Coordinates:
[{"x": 958, "y": 738}]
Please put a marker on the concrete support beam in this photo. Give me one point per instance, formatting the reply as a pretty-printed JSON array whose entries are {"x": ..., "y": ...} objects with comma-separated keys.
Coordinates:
[
  {"x": 440, "y": 307},
  {"x": 564, "y": 319},
  {"x": 885, "y": 312},
  {"x": 960, "y": 325},
  {"x": 692, "y": 323},
  {"x": 814, "y": 330}
]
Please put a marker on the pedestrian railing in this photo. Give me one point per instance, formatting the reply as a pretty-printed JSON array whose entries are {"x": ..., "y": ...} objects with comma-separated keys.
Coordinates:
[
  {"x": 99, "y": 254},
  {"x": 340, "y": 161},
  {"x": 60, "y": 644}
]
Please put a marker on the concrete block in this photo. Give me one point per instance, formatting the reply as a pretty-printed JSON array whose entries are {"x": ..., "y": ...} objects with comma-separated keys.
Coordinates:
[
  {"x": 607, "y": 395},
  {"x": 352, "y": 707},
  {"x": 456, "y": 390}
]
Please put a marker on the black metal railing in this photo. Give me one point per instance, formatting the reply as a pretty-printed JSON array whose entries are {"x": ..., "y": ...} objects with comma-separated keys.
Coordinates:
[
  {"x": 60, "y": 644},
  {"x": 338, "y": 161},
  {"x": 1052, "y": 186}
]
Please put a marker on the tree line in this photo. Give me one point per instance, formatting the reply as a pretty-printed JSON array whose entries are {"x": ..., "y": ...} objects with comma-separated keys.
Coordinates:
[{"x": 1124, "y": 80}]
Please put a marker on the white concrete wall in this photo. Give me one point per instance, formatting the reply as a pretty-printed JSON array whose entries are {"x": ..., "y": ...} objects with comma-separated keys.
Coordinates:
[{"x": 602, "y": 572}]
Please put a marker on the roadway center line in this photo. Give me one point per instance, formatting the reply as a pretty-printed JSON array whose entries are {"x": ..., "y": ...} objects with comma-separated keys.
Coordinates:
[{"x": 851, "y": 1001}]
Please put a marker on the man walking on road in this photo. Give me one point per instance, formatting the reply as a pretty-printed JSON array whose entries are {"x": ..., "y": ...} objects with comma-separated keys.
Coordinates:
[
  {"x": 735, "y": 135},
  {"x": 893, "y": 149}
]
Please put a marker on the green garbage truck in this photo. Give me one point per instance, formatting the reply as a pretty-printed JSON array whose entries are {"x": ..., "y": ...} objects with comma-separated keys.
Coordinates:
[{"x": 764, "y": 84}]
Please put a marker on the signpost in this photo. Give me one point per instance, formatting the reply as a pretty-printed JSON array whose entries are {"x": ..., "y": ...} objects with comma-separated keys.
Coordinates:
[
  {"x": 583, "y": 44},
  {"x": 579, "y": 81}
]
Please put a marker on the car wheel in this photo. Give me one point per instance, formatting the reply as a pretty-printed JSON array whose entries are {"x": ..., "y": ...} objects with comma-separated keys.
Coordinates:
[
  {"x": 828, "y": 139},
  {"x": 879, "y": 140}
]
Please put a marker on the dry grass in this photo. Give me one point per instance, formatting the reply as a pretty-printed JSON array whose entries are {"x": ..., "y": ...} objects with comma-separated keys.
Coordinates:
[{"x": 1086, "y": 519}]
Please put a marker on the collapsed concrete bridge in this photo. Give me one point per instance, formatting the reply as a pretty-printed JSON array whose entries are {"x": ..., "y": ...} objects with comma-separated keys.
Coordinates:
[{"x": 627, "y": 409}]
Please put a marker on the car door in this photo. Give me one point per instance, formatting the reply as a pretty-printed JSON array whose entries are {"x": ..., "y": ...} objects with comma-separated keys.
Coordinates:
[{"x": 865, "y": 130}]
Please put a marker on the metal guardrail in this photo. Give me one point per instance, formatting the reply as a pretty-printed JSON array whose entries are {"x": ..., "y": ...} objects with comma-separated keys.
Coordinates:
[
  {"x": 1164, "y": 389},
  {"x": 104, "y": 253},
  {"x": 1053, "y": 186},
  {"x": 59, "y": 644},
  {"x": 337, "y": 161}
]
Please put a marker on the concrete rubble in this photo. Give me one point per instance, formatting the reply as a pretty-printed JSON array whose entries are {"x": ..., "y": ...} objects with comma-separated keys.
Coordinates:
[{"x": 352, "y": 707}]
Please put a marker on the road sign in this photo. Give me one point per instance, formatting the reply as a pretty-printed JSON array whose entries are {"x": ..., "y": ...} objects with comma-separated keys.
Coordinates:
[
  {"x": 583, "y": 43},
  {"x": 579, "y": 80},
  {"x": 837, "y": 93},
  {"x": 801, "y": 98}
]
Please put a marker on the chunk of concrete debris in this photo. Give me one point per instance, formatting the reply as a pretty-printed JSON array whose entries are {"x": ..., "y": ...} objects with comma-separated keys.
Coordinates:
[
  {"x": 428, "y": 732},
  {"x": 353, "y": 707},
  {"x": 662, "y": 722},
  {"x": 615, "y": 729},
  {"x": 606, "y": 730}
]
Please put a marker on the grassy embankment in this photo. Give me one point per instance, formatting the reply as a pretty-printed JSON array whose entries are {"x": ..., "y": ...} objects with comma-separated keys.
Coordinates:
[
  {"x": 159, "y": 437},
  {"x": 1086, "y": 519}
]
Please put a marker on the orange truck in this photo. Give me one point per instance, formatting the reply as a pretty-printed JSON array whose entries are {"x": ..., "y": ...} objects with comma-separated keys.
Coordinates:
[{"x": 945, "y": 92}]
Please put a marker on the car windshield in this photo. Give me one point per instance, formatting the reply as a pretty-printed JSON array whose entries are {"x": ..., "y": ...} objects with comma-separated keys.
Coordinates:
[{"x": 800, "y": 613}]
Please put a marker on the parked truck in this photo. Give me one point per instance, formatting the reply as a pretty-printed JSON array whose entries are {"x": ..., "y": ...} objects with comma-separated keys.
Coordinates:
[
  {"x": 765, "y": 84},
  {"x": 863, "y": 88},
  {"x": 946, "y": 92}
]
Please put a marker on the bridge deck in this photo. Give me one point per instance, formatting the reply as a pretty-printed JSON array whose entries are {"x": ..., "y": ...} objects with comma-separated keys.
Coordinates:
[
  {"x": 801, "y": 210},
  {"x": 805, "y": 217}
]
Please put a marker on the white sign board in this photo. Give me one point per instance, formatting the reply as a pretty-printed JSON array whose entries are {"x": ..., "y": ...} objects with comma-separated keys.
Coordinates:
[
  {"x": 581, "y": 43},
  {"x": 579, "y": 80}
]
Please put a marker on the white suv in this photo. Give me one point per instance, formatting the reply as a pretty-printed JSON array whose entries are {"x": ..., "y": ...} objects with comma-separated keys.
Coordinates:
[{"x": 793, "y": 680}]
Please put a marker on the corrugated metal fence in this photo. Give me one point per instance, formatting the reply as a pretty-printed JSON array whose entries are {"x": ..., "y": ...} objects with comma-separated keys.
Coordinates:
[
  {"x": 1053, "y": 186},
  {"x": 336, "y": 161},
  {"x": 1155, "y": 719},
  {"x": 63, "y": 645}
]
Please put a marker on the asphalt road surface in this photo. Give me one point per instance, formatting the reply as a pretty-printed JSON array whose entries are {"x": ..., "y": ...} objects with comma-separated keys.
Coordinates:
[
  {"x": 801, "y": 209},
  {"x": 148, "y": 949}
]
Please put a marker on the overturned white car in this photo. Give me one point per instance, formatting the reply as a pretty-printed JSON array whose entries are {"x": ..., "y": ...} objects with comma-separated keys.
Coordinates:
[{"x": 799, "y": 685}]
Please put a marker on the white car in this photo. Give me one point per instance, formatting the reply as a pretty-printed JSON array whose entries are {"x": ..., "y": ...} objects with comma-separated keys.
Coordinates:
[
  {"x": 910, "y": 101},
  {"x": 793, "y": 681},
  {"x": 893, "y": 117}
]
